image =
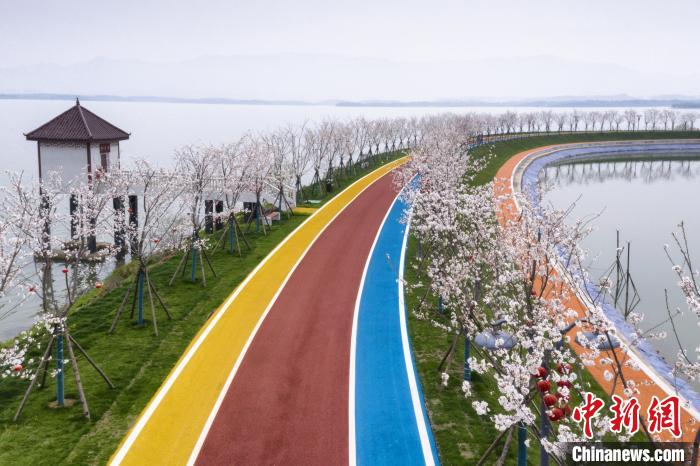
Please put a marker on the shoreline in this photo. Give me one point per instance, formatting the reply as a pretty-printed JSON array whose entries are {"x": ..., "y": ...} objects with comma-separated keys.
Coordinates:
[{"x": 509, "y": 180}]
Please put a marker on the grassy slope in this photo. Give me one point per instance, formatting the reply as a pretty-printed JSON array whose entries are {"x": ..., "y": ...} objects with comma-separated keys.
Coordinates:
[
  {"x": 461, "y": 435},
  {"x": 136, "y": 361}
]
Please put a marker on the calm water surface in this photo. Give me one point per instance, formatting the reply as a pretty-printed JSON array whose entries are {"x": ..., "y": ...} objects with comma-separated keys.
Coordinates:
[
  {"x": 157, "y": 129},
  {"x": 645, "y": 198}
]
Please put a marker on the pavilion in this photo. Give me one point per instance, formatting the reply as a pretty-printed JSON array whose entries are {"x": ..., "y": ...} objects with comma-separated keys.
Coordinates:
[{"x": 77, "y": 144}]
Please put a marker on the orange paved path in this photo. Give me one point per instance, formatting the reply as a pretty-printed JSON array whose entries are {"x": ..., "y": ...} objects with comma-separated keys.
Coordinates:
[{"x": 647, "y": 387}]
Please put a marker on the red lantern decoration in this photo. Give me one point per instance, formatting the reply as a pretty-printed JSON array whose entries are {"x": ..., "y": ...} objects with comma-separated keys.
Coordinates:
[
  {"x": 549, "y": 399},
  {"x": 556, "y": 414},
  {"x": 566, "y": 409},
  {"x": 64, "y": 270},
  {"x": 18, "y": 367},
  {"x": 564, "y": 368},
  {"x": 564, "y": 383},
  {"x": 541, "y": 372},
  {"x": 544, "y": 386},
  {"x": 98, "y": 285}
]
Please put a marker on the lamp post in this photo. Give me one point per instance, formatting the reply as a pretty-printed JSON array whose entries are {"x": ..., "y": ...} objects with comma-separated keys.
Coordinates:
[
  {"x": 491, "y": 340},
  {"x": 605, "y": 341}
]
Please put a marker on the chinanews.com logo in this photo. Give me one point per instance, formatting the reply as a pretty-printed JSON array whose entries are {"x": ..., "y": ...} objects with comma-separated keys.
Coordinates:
[
  {"x": 614, "y": 453},
  {"x": 662, "y": 415}
]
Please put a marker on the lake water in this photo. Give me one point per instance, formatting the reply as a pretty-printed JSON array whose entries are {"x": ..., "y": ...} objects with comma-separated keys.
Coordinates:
[
  {"x": 158, "y": 129},
  {"x": 645, "y": 198}
]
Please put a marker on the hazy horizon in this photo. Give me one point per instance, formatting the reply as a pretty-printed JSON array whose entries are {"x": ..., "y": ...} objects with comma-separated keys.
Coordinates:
[{"x": 360, "y": 50}]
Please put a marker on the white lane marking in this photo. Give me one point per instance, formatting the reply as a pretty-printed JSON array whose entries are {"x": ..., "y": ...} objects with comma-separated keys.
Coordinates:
[
  {"x": 415, "y": 397},
  {"x": 421, "y": 421},
  {"x": 352, "y": 440},
  {"x": 165, "y": 388}
]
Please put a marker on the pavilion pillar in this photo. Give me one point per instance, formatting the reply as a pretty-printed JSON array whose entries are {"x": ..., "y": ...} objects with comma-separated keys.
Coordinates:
[
  {"x": 92, "y": 239},
  {"x": 46, "y": 219},
  {"x": 133, "y": 223},
  {"x": 208, "y": 216},
  {"x": 119, "y": 228},
  {"x": 73, "y": 209},
  {"x": 219, "y": 208}
]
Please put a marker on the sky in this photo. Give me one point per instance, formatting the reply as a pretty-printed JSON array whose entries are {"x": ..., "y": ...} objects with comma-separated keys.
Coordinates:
[{"x": 643, "y": 35}]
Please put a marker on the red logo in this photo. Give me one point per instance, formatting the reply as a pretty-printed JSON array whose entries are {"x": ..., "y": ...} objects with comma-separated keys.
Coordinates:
[{"x": 591, "y": 406}]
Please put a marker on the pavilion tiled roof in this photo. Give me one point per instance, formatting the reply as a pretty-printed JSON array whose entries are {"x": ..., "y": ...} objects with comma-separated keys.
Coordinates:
[{"x": 77, "y": 124}]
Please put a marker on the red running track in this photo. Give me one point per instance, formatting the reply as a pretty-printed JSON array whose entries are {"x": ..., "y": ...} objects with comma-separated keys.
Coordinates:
[{"x": 288, "y": 403}]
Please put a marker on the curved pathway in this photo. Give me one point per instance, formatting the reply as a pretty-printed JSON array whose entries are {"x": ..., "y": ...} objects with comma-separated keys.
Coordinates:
[
  {"x": 387, "y": 411},
  {"x": 267, "y": 379},
  {"x": 649, "y": 383}
]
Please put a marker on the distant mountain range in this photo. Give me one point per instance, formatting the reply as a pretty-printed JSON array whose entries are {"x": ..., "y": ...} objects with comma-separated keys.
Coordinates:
[
  {"x": 581, "y": 102},
  {"x": 300, "y": 78}
]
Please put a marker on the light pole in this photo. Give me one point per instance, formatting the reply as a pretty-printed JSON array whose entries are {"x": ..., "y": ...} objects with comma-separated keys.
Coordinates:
[{"x": 491, "y": 340}]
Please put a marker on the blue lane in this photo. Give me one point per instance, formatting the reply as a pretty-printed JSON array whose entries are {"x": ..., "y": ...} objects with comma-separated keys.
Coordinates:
[{"x": 391, "y": 425}]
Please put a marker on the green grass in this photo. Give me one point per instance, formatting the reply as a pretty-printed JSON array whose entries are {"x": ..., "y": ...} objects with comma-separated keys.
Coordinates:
[
  {"x": 136, "y": 361},
  {"x": 461, "y": 435}
]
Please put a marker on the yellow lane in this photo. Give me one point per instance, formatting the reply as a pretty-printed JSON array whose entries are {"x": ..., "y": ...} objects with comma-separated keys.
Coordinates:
[
  {"x": 304, "y": 210},
  {"x": 168, "y": 428}
]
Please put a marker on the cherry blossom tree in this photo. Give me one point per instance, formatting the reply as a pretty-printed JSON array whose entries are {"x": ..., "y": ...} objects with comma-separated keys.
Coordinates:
[
  {"x": 15, "y": 221},
  {"x": 688, "y": 120},
  {"x": 233, "y": 171},
  {"x": 360, "y": 131},
  {"x": 329, "y": 131},
  {"x": 348, "y": 148},
  {"x": 299, "y": 156},
  {"x": 687, "y": 272},
  {"x": 159, "y": 231},
  {"x": 575, "y": 119},
  {"x": 260, "y": 167},
  {"x": 651, "y": 117},
  {"x": 317, "y": 145},
  {"x": 90, "y": 220},
  {"x": 631, "y": 117},
  {"x": 617, "y": 119},
  {"x": 195, "y": 166},
  {"x": 561, "y": 119},
  {"x": 278, "y": 146}
]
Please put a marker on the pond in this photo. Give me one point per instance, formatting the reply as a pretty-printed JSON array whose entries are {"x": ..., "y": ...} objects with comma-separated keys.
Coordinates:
[{"x": 644, "y": 196}]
